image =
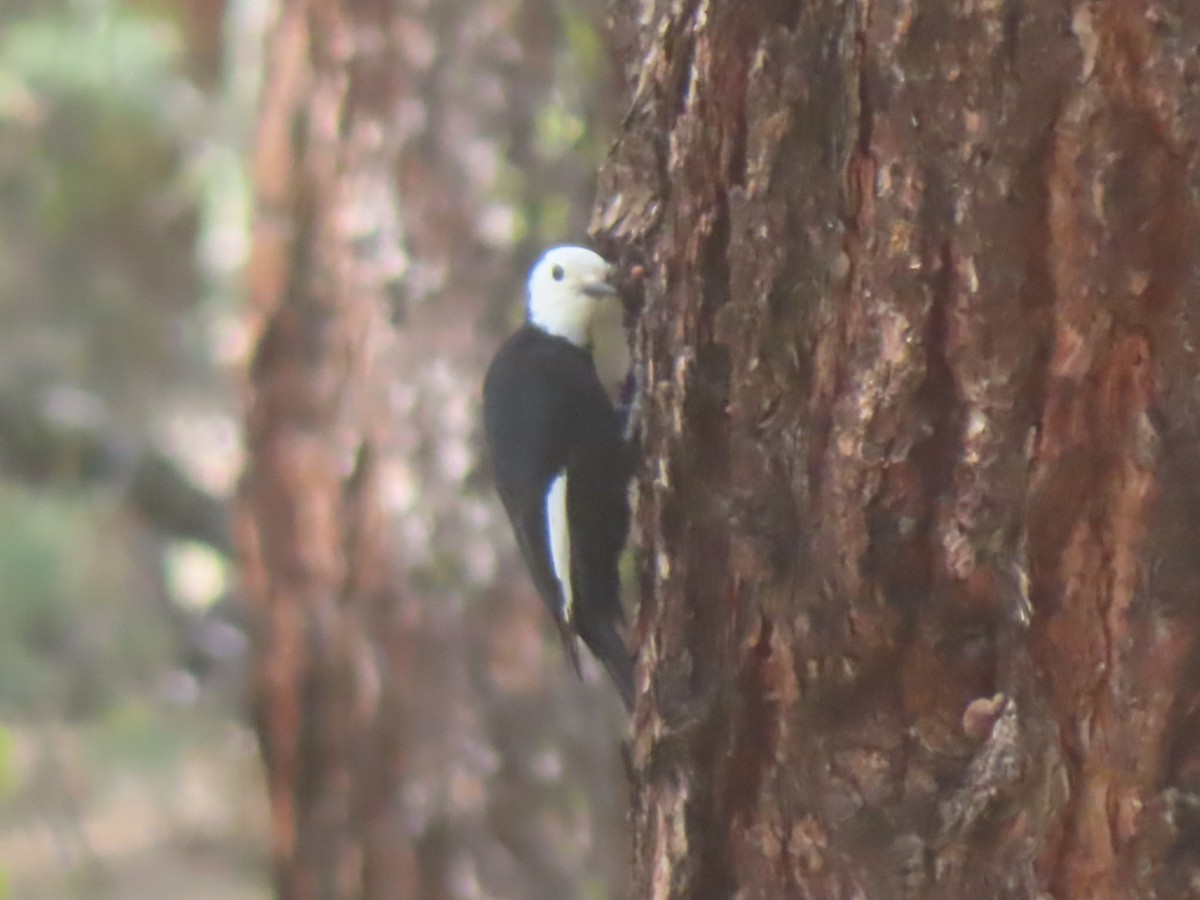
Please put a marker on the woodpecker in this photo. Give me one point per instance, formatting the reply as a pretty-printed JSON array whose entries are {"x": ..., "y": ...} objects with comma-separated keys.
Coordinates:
[{"x": 559, "y": 458}]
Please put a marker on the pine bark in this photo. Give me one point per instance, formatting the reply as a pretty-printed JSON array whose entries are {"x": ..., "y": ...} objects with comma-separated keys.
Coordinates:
[
  {"x": 327, "y": 682},
  {"x": 920, "y": 503},
  {"x": 426, "y": 741}
]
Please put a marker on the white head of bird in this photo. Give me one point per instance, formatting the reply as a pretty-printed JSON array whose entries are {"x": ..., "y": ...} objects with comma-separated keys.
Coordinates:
[{"x": 565, "y": 287}]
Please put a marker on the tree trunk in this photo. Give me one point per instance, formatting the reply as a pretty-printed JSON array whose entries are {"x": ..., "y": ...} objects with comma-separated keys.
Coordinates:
[
  {"x": 327, "y": 680},
  {"x": 424, "y": 743},
  {"x": 920, "y": 503}
]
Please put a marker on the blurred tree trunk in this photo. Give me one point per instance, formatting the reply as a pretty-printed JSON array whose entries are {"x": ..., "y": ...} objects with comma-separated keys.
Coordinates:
[
  {"x": 411, "y": 159},
  {"x": 920, "y": 508},
  {"x": 326, "y": 685}
]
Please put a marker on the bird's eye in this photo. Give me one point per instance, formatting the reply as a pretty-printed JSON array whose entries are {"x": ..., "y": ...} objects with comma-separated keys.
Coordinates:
[{"x": 557, "y": 273}]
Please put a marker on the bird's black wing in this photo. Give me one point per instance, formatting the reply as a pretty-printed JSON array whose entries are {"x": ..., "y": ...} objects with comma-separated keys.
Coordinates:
[
  {"x": 538, "y": 391},
  {"x": 598, "y": 470},
  {"x": 528, "y": 520}
]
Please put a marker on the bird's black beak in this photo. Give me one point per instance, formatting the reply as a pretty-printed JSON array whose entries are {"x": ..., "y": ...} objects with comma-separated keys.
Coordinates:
[{"x": 599, "y": 289}]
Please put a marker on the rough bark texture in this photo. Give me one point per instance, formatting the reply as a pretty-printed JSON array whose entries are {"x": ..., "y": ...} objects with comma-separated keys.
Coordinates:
[
  {"x": 327, "y": 679},
  {"x": 920, "y": 507}
]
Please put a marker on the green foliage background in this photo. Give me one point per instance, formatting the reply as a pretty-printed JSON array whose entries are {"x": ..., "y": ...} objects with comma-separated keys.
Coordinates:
[
  {"x": 122, "y": 220},
  {"x": 127, "y": 767}
]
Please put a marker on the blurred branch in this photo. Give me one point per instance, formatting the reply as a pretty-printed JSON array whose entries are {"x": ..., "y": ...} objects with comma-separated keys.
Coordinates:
[
  {"x": 66, "y": 439},
  {"x": 174, "y": 504}
]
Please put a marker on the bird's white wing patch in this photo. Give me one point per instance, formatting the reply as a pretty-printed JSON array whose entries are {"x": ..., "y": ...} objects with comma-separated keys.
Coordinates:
[{"x": 559, "y": 531}]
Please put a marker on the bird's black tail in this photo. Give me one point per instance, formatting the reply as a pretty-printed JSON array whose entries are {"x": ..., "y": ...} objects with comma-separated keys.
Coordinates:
[{"x": 607, "y": 645}]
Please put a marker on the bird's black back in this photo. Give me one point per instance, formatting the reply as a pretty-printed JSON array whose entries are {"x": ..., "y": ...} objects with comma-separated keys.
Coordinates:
[{"x": 545, "y": 411}]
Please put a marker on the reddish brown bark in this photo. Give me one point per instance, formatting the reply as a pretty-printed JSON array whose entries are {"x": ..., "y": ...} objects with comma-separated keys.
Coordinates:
[
  {"x": 327, "y": 678},
  {"x": 425, "y": 742},
  {"x": 919, "y": 513}
]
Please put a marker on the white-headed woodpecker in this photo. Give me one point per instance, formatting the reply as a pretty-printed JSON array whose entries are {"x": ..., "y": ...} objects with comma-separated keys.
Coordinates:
[{"x": 559, "y": 458}]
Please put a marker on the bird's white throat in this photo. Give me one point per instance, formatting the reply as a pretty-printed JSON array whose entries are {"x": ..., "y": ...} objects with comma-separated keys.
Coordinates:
[{"x": 567, "y": 314}]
